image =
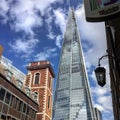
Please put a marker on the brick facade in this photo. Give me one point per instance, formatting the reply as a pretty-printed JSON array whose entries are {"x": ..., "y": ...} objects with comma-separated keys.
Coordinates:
[
  {"x": 14, "y": 108},
  {"x": 41, "y": 86}
]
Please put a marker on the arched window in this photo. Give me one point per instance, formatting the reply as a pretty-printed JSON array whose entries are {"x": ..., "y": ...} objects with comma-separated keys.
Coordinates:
[
  {"x": 37, "y": 78},
  {"x": 49, "y": 82},
  {"x": 48, "y": 102}
]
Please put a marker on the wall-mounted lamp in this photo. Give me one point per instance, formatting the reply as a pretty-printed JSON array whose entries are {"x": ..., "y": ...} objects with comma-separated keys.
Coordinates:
[{"x": 100, "y": 73}]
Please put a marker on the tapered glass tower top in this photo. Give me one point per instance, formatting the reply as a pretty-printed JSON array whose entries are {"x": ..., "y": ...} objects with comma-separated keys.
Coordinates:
[{"x": 72, "y": 99}]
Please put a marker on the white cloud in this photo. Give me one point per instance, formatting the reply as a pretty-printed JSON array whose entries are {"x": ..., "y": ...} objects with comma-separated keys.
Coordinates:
[
  {"x": 51, "y": 35},
  {"x": 4, "y": 8},
  {"x": 42, "y": 6},
  {"x": 58, "y": 41},
  {"x": 94, "y": 34},
  {"x": 25, "y": 16},
  {"x": 100, "y": 91},
  {"x": 49, "y": 21},
  {"x": 60, "y": 19},
  {"x": 99, "y": 107},
  {"x": 46, "y": 54},
  {"x": 105, "y": 102},
  {"x": 25, "y": 47}
]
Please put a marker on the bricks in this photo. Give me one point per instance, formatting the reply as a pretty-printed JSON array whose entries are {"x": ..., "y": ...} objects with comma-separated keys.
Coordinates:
[{"x": 43, "y": 88}]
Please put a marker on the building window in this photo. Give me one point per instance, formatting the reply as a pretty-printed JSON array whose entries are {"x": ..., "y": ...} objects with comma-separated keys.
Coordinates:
[
  {"x": 27, "y": 91},
  {"x": 20, "y": 84},
  {"x": 37, "y": 78},
  {"x": 8, "y": 74},
  {"x": 16, "y": 103},
  {"x": 35, "y": 96},
  {"x": 3, "y": 117},
  {"x": 20, "y": 106},
  {"x": 49, "y": 82},
  {"x": 33, "y": 114},
  {"x": 12, "y": 101},
  {"x": 2, "y": 94},
  {"x": 48, "y": 101},
  {"x": 24, "y": 108},
  {"x": 7, "y": 99},
  {"x": 28, "y": 110},
  {"x": 9, "y": 118}
]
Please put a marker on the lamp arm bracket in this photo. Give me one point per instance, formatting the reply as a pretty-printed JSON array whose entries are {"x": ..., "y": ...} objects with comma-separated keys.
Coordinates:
[{"x": 107, "y": 55}]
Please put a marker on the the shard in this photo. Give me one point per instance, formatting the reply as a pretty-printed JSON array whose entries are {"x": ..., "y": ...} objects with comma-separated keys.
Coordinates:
[{"x": 72, "y": 99}]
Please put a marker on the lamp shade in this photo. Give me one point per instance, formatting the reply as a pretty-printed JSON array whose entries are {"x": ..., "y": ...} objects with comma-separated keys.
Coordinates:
[{"x": 100, "y": 73}]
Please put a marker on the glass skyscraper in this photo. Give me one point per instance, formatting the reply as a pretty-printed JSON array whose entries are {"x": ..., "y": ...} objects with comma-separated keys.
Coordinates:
[{"x": 72, "y": 99}]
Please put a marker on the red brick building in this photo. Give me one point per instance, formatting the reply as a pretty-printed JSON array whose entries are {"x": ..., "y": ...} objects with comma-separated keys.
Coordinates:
[
  {"x": 25, "y": 97},
  {"x": 39, "y": 80},
  {"x": 16, "y": 100},
  {"x": 14, "y": 103}
]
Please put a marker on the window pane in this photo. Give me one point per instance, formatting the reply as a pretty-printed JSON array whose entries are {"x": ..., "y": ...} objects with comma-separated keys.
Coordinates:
[
  {"x": 16, "y": 102},
  {"x": 37, "y": 78},
  {"x": 49, "y": 82},
  {"x": 20, "y": 84},
  {"x": 28, "y": 91},
  {"x": 7, "y": 99},
  {"x": 48, "y": 101},
  {"x": 20, "y": 106},
  {"x": 12, "y": 101},
  {"x": 3, "y": 117},
  {"x": 9, "y": 118},
  {"x": 35, "y": 96},
  {"x": 33, "y": 114},
  {"x": 2, "y": 94},
  {"x": 28, "y": 110},
  {"x": 24, "y": 108}
]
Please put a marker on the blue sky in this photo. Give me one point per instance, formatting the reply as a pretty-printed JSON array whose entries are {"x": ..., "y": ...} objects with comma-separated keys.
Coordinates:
[{"x": 32, "y": 30}]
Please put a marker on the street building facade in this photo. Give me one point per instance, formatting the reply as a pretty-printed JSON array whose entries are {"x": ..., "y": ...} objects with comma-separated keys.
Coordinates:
[
  {"x": 72, "y": 99},
  {"x": 16, "y": 100},
  {"x": 40, "y": 80},
  {"x": 25, "y": 97},
  {"x": 113, "y": 49}
]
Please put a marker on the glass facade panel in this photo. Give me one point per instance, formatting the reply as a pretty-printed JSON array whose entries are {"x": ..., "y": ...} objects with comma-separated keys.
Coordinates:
[
  {"x": 20, "y": 106},
  {"x": 7, "y": 98},
  {"x": 24, "y": 108}
]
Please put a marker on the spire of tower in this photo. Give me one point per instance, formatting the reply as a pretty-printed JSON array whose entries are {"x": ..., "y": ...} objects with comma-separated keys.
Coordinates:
[{"x": 71, "y": 13}]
